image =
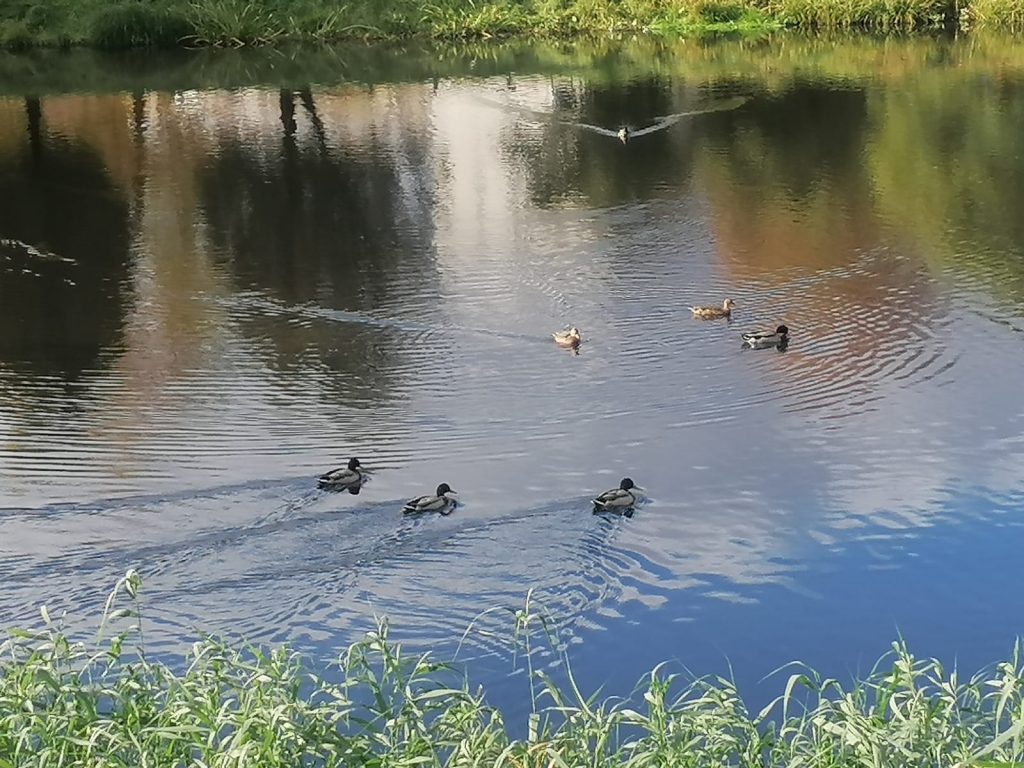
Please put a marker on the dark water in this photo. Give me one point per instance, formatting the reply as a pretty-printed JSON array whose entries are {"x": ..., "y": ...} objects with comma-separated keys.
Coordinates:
[{"x": 222, "y": 275}]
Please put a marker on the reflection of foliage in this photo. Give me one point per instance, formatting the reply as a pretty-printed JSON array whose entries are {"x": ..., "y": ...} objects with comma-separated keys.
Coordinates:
[
  {"x": 316, "y": 226},
  {"x": 311, "y": 223},
  {"x": 65, "y": 257},
  {"x": 785, "y": 176},
  {"x": 795, "y": 140},
  {"x": 947, "y": 167},
  {"x": 938, "y": 160}
]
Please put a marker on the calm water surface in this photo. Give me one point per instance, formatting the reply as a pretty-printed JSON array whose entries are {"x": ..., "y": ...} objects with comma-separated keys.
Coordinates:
[{"x": 223, "y": 275}]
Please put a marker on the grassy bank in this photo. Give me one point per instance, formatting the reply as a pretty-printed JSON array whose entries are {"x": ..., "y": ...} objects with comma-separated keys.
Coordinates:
[
  {"x": 64, "y": 704},
  {"x": 768, "y": 64},
  {"x": 168, "y": 23}
]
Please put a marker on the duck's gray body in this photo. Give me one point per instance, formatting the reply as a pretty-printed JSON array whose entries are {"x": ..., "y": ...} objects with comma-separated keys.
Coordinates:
[
  {"x": 343, "y": 478},
  {"x": 619, "y": 499},
  {"x": 443, "y": 501},
  {"x": 569, "y": 338},
  {"x": 767, "y": 339}
]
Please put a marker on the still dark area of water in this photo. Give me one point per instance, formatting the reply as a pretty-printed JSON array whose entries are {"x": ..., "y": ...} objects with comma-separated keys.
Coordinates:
[{"x": 223, "y": 274}]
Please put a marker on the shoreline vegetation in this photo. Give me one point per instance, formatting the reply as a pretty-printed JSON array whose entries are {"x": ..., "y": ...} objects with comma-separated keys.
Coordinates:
[
  {"x": 126, "y": 24},
  {"x": 65, "y": 703},
  {"x": 768, "y": 64}
]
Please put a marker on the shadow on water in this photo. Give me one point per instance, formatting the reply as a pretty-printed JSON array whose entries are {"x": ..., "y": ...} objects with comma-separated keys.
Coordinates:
[
  {"x": 327, "y": 219},
  {"x": 64, "y": 237},
  {"x": 799, "y": 139}
]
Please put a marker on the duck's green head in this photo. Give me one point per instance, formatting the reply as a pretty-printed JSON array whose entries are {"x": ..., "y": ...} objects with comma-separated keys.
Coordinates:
[
  {"x": 444, "y": 488},
  {"x": 626, "y": 484}
]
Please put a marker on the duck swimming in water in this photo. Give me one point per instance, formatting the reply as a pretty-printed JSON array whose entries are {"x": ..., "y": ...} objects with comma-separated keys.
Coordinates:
[
  {"x": 570, "y": 338},
  {"x": 623, "y": 134},
  {"x": 349, "y": 478},
  {"x": 444, "y": 501},
  {"x": 710, "y": 313},
  {"x": 761, "y": 340},
  {"x": 619, "y": 499}
]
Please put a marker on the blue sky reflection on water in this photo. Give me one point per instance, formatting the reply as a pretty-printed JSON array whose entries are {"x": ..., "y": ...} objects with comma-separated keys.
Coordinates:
[{"x": 940, "y": 588}]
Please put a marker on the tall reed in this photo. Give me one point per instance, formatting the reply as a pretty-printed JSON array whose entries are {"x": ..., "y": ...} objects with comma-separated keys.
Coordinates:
[{"x": 65, "y": 703}]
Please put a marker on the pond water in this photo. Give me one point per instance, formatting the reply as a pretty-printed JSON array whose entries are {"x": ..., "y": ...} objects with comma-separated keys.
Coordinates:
[{"x": 224, "y": 273}]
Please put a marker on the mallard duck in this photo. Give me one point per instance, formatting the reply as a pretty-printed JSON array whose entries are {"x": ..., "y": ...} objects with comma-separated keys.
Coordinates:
[
  {"x": 760, "y": 340},
  {"x": 619, "y": 499},
  {"x": 710, "y": 313},
  {"x": 344, "y": 478},
  {"x": 623, "y": 134},
  {"x": 570, "y": 338},
  {"x": 444, "y": 501}
]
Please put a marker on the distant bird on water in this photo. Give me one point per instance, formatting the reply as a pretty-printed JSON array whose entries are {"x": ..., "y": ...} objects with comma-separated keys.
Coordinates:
[
  {"x": 763, "y": 339},
  {"x": 710, "y": 313},
  {"x": 569, "y": 339}
]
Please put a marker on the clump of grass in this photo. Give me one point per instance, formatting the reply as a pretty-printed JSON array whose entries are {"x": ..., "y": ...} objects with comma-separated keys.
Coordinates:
[
  {"x": 16, "y": 35},
  {"x": 471, "y": 20},
  {"x": 232, "y": 24},
  {"x": 879, "y": 15},
  {"x": 719, "y": 11},
  {"x": 65, "y": 704},
  {"x": 993, "y": 13},
  {"x": 326, "y": 25},
  {"x": 139, "y": 24},
  {"x": 26, "y": 24}
]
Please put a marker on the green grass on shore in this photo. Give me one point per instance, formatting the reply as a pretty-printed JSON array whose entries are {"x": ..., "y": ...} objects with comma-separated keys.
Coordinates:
[
  {"x": 167, "y": 23},
  {"x": 63, "y": 703},
  {"x": 164, "y": 23}
]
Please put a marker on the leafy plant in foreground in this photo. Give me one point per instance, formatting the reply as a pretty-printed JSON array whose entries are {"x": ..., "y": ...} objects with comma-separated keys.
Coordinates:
[{"x": 63, "y": 703}]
